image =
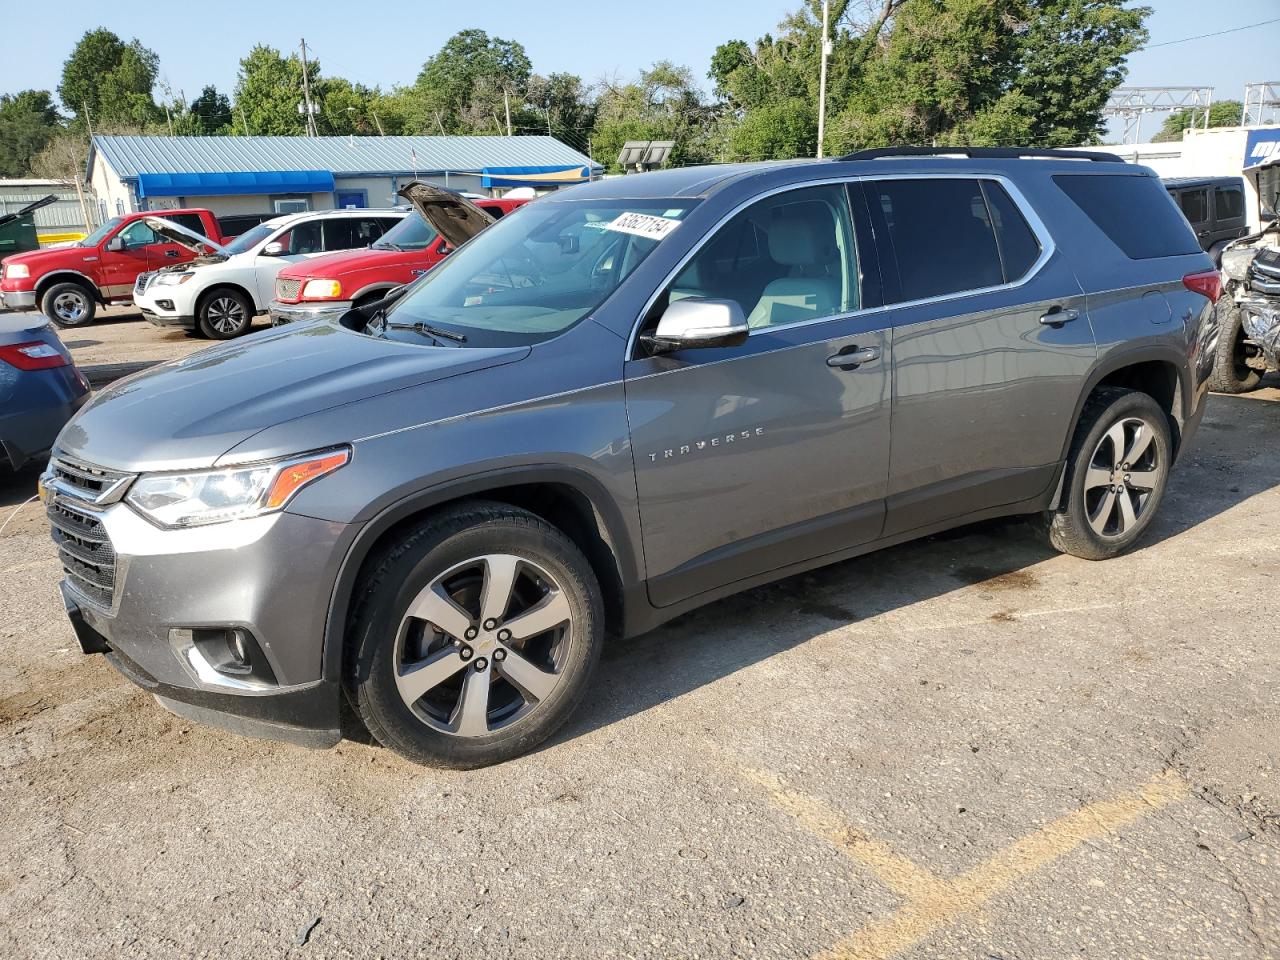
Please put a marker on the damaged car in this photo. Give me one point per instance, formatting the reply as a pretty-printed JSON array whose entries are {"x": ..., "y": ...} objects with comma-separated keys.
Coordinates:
[{"x": 1249, "y": 311}]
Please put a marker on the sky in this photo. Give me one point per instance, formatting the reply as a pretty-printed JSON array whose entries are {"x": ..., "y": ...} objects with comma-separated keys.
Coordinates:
[{"x": 376, "y": 45}]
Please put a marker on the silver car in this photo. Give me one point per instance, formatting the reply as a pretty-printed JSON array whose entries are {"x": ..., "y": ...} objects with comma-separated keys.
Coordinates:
[{"x": 637, "y": 396}]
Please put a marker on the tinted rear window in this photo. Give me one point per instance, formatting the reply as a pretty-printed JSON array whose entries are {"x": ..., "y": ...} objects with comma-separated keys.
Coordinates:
[
  {"x": 1133, "y": 211},
  {"x": 1229, "y": 203}
]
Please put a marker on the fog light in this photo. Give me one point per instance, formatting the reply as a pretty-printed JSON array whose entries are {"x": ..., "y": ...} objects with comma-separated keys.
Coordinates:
[
  {"x": 223, "y": 656},
  {"x": 238, "y": 643},
  {"x": 164, "y": 304}
]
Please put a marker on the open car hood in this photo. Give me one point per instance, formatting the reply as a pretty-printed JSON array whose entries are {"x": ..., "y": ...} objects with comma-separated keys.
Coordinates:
[
  {"x": 177, "y": 233},
  {"x": 452, "y": 216}
]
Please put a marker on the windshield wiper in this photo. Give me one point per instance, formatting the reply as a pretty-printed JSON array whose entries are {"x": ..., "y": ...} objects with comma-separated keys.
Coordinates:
[
  {"x": 419, "y": 327},
  {"x": 384, "y": 245}
]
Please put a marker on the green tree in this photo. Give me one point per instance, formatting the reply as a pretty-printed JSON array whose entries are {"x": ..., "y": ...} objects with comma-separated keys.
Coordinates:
[
  {"x": 110, "y": 79},
  {"x": 662, "y": 104},
  {"x": 560, "y": 105},
  {"x": 468, "y": 86},
  {"x": 986, "y": 72},
  {"x": 1224, "y": 113},
  {"x": 269, "y": 92},
  {"x": 28, "y": 121},
  {"x": 208, "y": 114}
]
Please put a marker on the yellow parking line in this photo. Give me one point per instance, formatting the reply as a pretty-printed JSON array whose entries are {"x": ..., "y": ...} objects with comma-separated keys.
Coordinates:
[
  {"x": 932, "y": 902},
  {"x": 890, "y": 867}
]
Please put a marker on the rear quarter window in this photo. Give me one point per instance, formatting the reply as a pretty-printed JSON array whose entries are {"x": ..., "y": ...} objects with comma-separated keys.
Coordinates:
[{"x": 1135, "y": 213}]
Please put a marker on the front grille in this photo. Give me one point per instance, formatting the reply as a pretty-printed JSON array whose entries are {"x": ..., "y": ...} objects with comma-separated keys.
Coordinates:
[
  {"x": 88, "y": 559},
  {"x": 75, "y": 491},
  {"x": 287, "y": 289},
  {"x": 140, "y": 285},
  {"x": 95, "y": 483}
]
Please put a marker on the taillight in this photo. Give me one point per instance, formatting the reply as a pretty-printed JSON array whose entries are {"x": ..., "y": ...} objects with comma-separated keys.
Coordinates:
[
  {"x": 1208, "y": 284},
  {"x": 33, "y": 356}
]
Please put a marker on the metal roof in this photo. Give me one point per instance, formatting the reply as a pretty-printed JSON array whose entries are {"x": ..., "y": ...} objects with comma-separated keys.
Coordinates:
[{"x": 343, "y": 156}]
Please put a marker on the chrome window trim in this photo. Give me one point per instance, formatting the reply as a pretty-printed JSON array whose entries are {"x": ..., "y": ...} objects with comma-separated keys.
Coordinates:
[{"x": 1038, "y": 228}]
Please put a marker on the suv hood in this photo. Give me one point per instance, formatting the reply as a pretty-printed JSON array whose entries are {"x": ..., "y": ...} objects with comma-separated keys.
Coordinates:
[
  {"x": 453, "y": 216},
  {"x": 187, "y": 413},
  {"x": 176, "y": 233}
]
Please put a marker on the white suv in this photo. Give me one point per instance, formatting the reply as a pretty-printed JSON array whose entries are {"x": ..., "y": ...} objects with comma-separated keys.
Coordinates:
[{"x": 222, "y": 290}]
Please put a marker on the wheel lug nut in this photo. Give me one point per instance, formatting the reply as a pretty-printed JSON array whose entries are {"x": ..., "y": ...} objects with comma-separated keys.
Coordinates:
[
  {"x": 465, "y": 653},
  {"x": 499, "y": 655},
  {"x": 504, "y": 635},
  {"x": 481, "y": 664},
  {"x": 471, "y": 633},
  {"x": 490, "y": 624}
]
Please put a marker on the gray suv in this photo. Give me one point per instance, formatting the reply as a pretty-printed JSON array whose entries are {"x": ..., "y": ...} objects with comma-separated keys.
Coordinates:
[{"x": 618, "y": 403}]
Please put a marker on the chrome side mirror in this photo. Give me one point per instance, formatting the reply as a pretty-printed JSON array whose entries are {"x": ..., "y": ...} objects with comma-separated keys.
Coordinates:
[
  {"x": 273, "y": 249},
  {"x": 115, "y": 244},
  {"x": 697, "y": 322}
]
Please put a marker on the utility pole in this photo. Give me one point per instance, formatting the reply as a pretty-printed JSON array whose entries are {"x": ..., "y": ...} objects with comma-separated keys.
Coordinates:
[
  {"x": 376, "y": 122},
  {"x": 244, "y": 120},
  {"x": 822, "y": 77},
  {"x": 169, "y": 116},
  {"x": 306, "y": 92},
  {"x": 506, "y": 99},
  {"x": 88, "y": 120}
]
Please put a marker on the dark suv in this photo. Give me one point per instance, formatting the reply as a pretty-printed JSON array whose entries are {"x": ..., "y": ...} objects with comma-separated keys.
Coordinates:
[
  {"x": 637, "y": 396},
  {"x": 1214, "y": 206}
]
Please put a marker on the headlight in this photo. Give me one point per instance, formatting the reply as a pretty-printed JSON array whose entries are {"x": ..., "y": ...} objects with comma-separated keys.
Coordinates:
[
  {"x": 1235, "y": 263},
  {"x": 212, "y": 496},
  {"x": 322, "y": 290},
  {"x": 16, "y": 271},
  {"x": 173, "y": 279}
]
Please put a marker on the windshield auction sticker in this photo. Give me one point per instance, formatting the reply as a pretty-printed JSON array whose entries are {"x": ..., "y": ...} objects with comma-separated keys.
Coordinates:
[{"x": 643, "y": 225}]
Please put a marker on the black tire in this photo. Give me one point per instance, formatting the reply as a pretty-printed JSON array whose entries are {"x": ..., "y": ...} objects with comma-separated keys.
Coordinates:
[
  {"x": 224, "y": 314},
  {"x": 379, "y": 633},
  {"x": 1230, "y": 372},
  {"x": 1070, "y": 528},
  {"x": 69, "y": 304}
]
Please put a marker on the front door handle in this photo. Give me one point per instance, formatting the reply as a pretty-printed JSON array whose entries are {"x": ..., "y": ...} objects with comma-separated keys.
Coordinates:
[
  {"x": 171, "y": 253},
  {"x": 1056, "y": 316},
  {"x": 852, "y": 357}
]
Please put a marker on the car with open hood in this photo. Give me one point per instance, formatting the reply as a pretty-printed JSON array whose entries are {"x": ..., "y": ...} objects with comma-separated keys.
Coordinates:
[
  {"x": 330, "y": 286},
  {"x": 68, "y": 283},
  {"x": 224, "y": 287}
]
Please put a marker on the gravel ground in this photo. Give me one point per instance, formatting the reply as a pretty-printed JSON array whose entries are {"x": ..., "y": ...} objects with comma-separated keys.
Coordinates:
[{"x": 967, "y": 747}]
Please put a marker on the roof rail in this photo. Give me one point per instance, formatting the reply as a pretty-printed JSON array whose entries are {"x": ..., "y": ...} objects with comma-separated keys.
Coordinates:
[{"x": 984, "y": 153}]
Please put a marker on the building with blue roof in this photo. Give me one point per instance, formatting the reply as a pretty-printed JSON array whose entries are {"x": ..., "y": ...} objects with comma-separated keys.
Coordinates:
[{"x": 249, "y": 175}]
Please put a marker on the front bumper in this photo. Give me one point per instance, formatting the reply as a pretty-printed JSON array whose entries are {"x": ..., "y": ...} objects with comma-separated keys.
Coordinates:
[
  {"x": 156, "y": 319},
  {"x": 18, "y": 299},
  {"x": 271, "y": 576},
  {"x": 297, "y": 312}
]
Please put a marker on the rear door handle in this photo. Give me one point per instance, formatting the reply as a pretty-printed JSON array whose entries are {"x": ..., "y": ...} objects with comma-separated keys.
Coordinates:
[
  {"x": 1056, "y": 316},
  {"x": 852, "y": 357}
]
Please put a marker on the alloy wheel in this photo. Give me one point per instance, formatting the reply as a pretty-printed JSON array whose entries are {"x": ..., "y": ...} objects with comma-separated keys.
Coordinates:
[
  {"x": 1123, "y": 474},
  {"x": 483, "y": 644},
  {"x": 225, "y": 314},
  {"x": 70, "y": 307}
]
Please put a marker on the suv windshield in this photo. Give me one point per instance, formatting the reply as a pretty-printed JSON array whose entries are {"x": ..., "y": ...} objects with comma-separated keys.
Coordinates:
[
  {"x": 531, "y": 277},
  {"x": 247, "y": 241},
  {"x": 95, "y": 238},
  {"x": 411, "y": 233}
]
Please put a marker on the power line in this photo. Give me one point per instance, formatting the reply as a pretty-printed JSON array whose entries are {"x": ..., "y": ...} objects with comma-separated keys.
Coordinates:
[{"x": 1218, "y": 33}]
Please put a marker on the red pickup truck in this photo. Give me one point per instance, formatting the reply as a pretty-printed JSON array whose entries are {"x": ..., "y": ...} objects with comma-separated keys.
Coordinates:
[
  {"x": 330, "y": 286},
  {"x": 68, "y": 283}
]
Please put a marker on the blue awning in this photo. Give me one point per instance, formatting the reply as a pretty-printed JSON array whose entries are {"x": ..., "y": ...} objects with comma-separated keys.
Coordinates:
[
  {"x": 233, "y": 184},
  {"x": 534, "y": 176}
]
